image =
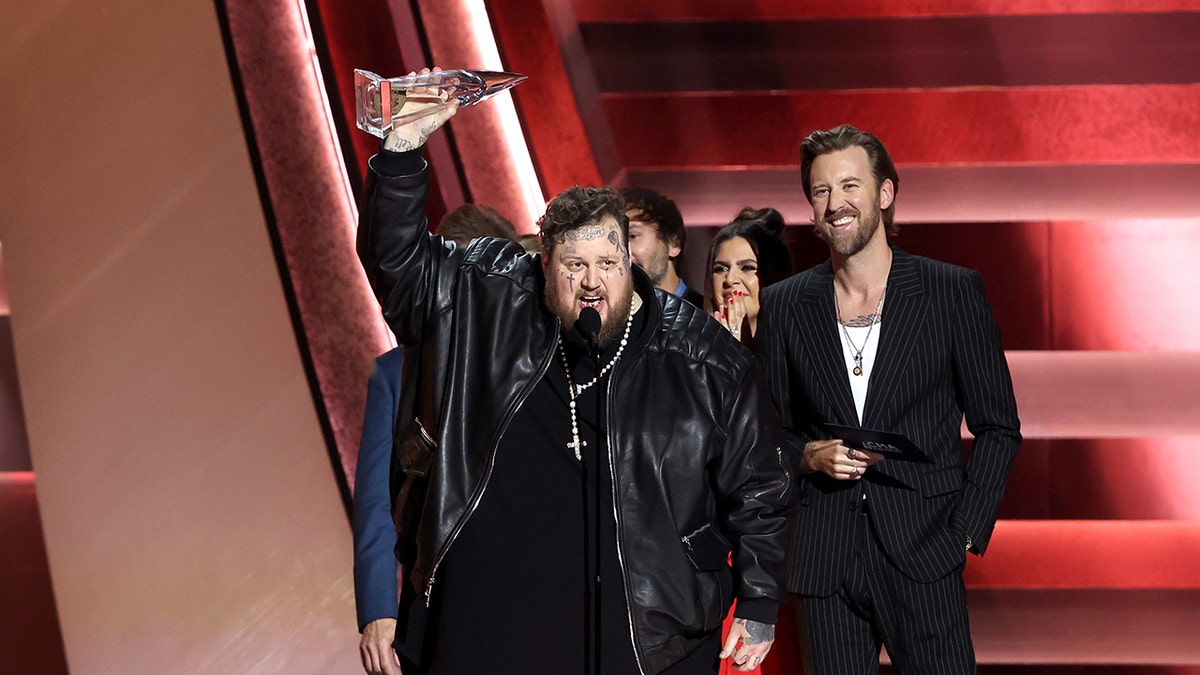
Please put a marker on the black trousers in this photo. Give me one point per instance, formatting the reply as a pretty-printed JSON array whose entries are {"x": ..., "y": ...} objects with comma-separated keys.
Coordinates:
[{"x": 924, "y": 626}]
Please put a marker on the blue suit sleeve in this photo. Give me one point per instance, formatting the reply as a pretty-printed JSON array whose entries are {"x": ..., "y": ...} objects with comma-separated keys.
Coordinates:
[{"x": 375, "y": 566}]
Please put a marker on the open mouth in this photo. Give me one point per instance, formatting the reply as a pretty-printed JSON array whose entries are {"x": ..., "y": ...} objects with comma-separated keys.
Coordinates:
[
  {"x": 841, "y": 222},
  {"x": 593, "y": 301}
]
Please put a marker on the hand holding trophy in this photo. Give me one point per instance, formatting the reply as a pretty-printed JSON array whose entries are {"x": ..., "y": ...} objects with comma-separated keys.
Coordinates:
[{"x": 391, "y": 107}]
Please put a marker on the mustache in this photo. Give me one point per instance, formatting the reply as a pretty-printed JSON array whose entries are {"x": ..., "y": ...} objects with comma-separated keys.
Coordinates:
[{"x": 840, "y": 213}]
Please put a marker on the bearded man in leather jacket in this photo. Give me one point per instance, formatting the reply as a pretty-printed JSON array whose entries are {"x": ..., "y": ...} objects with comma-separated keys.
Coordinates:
[{"x": 510, "y": 505}]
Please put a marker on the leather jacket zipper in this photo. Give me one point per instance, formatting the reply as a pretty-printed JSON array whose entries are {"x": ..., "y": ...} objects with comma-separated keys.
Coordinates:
[
  {"x": 491, "y": 464},
  {"x": 787, "y": 486},
  {"x": 687, "y": 538},
  {"x": 612, "y": 476}
]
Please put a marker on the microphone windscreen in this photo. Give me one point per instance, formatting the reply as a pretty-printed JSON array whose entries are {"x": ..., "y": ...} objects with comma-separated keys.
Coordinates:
[{"x": 588, "y": 323}]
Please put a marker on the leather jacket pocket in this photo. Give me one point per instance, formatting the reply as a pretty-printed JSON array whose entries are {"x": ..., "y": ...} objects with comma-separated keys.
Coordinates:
[
  {"x": 708, "y": 552},
  {"x": 416, "y": 448},
  {"x": 707, "y": 548},
  {"x": 412, "y": 460}
]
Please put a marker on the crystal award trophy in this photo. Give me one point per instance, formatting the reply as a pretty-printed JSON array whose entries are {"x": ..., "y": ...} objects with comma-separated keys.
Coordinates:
[{"x": 379, "y": 102}]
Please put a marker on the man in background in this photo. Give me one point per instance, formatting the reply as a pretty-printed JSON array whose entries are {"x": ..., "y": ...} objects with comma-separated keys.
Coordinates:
[{"x": 656, "y": 240}]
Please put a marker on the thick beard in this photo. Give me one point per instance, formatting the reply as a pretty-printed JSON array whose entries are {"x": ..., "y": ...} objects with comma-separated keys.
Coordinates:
[
  {"x": 612, "y": 327},
  {"x": 868, "y": 223}
]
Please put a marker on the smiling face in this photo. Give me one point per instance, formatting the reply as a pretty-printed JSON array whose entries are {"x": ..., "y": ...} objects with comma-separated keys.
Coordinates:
[
  {"x": 847, "y": 204},
  {"x": 588, "y": 266},
  {"x": 734, "y": 268}
]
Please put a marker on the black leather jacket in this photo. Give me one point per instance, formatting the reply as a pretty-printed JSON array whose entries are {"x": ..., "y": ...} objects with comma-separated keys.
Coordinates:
[{"x": 694, "y": 442}]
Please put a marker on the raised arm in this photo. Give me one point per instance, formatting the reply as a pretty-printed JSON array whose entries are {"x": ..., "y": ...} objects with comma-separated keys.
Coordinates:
[{"x": 405, "y": 266}]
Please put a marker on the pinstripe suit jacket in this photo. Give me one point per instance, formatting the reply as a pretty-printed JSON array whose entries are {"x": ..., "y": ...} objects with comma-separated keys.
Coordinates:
[{"x": 939, "y": 358}]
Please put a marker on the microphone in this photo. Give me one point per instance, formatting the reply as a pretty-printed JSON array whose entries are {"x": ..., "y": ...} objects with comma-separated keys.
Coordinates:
[{"x": 588, "y": 327}]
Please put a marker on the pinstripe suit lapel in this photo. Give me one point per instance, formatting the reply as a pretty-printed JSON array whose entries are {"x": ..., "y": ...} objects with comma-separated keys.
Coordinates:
[
  {"x": 818, "y": 332},
  {"x": 903, "y": 313}
]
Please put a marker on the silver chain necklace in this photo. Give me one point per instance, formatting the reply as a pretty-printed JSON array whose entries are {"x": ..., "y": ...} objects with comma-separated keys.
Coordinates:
[
  {"x": 575, "y": 390},
  {"x": 858, "y": 351}
]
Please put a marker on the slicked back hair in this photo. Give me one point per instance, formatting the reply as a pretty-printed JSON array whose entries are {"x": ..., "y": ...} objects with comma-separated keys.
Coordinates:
[
  {"x": 846, "y": 136},
  {"x": 763, "y": 231}
]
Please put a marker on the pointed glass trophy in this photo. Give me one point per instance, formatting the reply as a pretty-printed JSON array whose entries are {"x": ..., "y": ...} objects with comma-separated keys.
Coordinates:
[{"x": 379, "y": 102}]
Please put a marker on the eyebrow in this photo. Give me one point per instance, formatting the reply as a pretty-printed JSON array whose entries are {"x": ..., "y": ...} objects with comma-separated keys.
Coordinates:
[{"x": 847, "y": 179}]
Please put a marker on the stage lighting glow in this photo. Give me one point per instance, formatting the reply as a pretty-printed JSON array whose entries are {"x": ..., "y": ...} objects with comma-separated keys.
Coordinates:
[
  {"x": 321, "y": 102},
  {"x": 532, "y": 200},
  {"x": 1126, "y": 284}
]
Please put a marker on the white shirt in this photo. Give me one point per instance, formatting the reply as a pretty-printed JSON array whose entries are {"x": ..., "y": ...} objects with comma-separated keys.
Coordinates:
[{"x": 859, "y": 336}]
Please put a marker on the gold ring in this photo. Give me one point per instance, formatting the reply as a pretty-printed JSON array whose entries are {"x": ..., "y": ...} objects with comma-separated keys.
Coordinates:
[{"x": 854, "y": 471}]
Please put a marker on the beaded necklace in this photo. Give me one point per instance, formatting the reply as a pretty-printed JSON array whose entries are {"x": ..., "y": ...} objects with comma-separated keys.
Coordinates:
[{"x": 575, "y": 390}]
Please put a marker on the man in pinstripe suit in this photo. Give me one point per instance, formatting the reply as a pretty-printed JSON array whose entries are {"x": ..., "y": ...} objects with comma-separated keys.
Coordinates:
[{"x": 880, "y": 339}]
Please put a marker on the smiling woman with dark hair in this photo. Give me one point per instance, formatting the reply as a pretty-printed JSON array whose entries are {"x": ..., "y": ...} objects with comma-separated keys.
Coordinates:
[{"x": 747, "y": 255}]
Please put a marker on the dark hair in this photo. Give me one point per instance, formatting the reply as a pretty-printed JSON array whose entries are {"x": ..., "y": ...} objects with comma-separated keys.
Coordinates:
[
  {"x": 846, "y": 136},
  {"x": 530, "y": 242},
  {"x": 577, "y": 206},
  {"x": 649, "y": 206},
  {"x": 471, "y": 221},
  {"x": 763, "y": 230}
]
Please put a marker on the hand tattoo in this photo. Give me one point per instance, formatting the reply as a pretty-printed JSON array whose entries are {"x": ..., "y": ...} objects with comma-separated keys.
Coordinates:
[
  {"x": 400, "y": 145},
  {"x": 758, "y": 632}
]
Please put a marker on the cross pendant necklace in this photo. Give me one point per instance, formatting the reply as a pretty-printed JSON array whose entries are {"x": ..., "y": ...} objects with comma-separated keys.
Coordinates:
[
  {"x": 574, "y": 391},
  {"x": 576, "y": 444}
]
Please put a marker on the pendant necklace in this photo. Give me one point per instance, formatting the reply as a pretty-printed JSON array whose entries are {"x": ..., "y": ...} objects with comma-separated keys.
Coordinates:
[
  {"x": 858, "y": 351},
  {"x": 575, "y": 390}
]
